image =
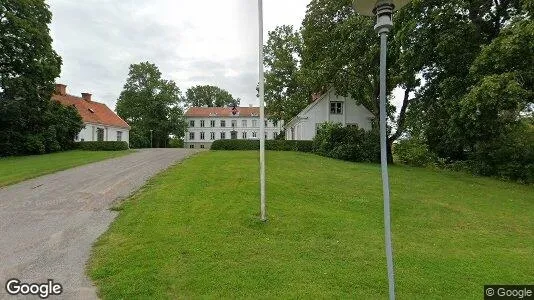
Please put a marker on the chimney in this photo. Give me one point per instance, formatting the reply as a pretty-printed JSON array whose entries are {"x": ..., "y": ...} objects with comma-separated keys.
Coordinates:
[
  {"x": 86, "y": 97},
  {"x": 314, "y": 97},
  {"x": 61, "y": 89}
]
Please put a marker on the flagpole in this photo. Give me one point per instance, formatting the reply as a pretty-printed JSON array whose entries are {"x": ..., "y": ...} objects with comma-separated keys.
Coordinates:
[{"x": 263, "y": 212}]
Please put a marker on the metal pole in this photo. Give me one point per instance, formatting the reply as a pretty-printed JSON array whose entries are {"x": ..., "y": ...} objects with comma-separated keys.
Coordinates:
[
  {"x": 263, "y": 212},
  {"x": 384, "y": 163}
]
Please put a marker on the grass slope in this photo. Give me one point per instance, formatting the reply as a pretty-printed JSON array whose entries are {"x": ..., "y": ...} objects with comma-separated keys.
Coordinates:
[
  {"x": 192, "y": 232},
  {"x": 19, "y": 168}
]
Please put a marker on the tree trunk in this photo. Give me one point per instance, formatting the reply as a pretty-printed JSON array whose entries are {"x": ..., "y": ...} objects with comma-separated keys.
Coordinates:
[{"x": 390, "y": 151}]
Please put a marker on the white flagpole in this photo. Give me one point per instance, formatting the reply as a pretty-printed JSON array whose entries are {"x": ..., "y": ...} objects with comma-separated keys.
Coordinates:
[{"x": 262, "y": 115}]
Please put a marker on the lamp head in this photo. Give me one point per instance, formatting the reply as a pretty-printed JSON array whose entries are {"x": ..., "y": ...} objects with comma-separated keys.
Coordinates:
[{"x": 367, "y": 7}]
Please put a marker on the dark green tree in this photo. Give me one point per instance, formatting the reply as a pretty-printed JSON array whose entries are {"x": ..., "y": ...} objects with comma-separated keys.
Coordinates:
[
  {"x": 211, "y": 96},
  {"x": 29, "y": 122},
  {"x": 149, "y": 102},
  {"x": 285, "y": 94}
]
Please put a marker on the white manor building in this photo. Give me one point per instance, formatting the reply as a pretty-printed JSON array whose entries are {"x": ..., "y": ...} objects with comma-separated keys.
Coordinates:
[
  {"x": 208, "y": 124},
  {"x": 329, "y": 107}
]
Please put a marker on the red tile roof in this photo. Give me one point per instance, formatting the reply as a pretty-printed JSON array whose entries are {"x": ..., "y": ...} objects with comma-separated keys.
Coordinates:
[
  {"x": 222, "y": 112},
  {"x": 92, "y": 112}
]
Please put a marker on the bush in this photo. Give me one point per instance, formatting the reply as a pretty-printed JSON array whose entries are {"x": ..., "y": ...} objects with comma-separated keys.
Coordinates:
[
  {"x": 347, "y": 143},
  {"x": 176, "y": 143},
  {"x": 272, "y": 145},
  {"x": 414, "y": 152},
  {"x": 101, "y": 146}
]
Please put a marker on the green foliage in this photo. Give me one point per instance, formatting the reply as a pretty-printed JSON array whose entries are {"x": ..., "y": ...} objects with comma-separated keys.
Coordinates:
[
  {"x": 102, "y": 146},
  {"x": 285, "y": 92},
  {"x": 414, "y": 152},
  {"x": 30, "y": 123},
  {"x": 176, "y": 143},
  {"x": 211, "y": 96},
  {"x": 149, "y": 102},
  {"x": 271, "y": 145},
  {"x": 347, "y": 143}
]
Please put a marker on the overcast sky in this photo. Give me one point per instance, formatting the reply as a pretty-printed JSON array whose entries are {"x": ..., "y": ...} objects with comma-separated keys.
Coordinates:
[{"x": 192, "y": 42}]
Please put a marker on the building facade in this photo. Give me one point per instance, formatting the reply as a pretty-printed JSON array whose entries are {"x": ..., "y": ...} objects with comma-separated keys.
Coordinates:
[
  {"x": 101, "y": 123},
  {"x": 329, "y": 107},
  {"x": 208, "y": 124}
]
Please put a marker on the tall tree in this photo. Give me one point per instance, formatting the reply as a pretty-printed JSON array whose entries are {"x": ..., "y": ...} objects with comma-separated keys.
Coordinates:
[
  {"x": 209, "y": 95},
  {"x": 449, "y": 37},
  {"x": 151, "y": 103},
  {"x": 28, "y": 68},
  {"x": 341, "y": 50},
  {"x": 285, "y": 94}
]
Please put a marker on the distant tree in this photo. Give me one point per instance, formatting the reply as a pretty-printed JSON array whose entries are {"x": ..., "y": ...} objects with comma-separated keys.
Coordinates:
[
  {"x": 211, "y": 96},
  {"x": 149, "y": 102},
  {"x": 30, "y": 122},
  {"x": 285, "y": 95}
]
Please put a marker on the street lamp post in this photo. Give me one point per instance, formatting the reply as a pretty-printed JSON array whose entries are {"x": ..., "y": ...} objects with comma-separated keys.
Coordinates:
[{"x": 383, "y": 10}]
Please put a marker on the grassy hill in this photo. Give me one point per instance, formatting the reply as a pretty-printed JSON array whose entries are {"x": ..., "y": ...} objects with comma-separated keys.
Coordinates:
[{"x": 193, "y": 232}]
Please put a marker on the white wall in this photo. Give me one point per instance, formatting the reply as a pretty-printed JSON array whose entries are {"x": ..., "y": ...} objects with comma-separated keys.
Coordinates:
[
  {"x": 89, "y": 133},
  {"x": 305, "y": 124},
  {"x": 270, "y": 129}
]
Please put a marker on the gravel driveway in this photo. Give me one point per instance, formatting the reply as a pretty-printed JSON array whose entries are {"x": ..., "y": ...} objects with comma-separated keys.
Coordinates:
[{"x": 48, "y": 224}]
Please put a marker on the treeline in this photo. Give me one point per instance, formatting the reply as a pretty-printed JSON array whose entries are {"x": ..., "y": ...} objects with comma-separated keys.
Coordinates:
[
  {"x": 154, "y": 106},
  {"x": 29, "y": 122},
  {"x": 464, "y": 66}
]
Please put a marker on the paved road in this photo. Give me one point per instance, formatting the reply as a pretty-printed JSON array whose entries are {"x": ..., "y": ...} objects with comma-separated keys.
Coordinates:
[{"x": 48, "y": 224}]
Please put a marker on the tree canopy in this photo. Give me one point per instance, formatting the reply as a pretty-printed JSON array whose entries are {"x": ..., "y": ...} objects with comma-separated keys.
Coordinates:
[
  {"x": 30, "y": 122},
  {"x": 209, "y": 95},
  {"x": 149, "y": 102}
]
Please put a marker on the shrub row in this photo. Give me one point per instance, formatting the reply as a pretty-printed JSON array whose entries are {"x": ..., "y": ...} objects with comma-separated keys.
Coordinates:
[
  {"x": 101, "y": 146},
  {"x": 272, "y": 145}
]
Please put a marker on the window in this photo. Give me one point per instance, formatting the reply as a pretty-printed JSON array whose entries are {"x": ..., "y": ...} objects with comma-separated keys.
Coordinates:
[
  {"x": 100, "y": 134},
  {"x": 202, "y": 123},
  {"x": 234, "y": 123},
  {"x": 244, "y": 123},
  {"x": 119, "y": 136},
  {"x": 192, "y": 146},
  {"x": 201, "y": 146},
  {"x": 202, "y": 136},
  {"x": 275, "y": 135},
  {"x": 265, "y": 123},
  {"x": 223, "y": 135},
  {"x": 336, "y": 108},
  {"x": 254, "y": 134},
  {"x": 265, "y": 135},
  {"x": 192, "y": 123},
  {"x": 254, "y": 123},
  {"x": 192, "y": 136},
  {"x": 223, "y": 123},
  {"x": 275, "y": 123},
  {"x": 212, "y": 136},
  {"x": 244, "y": 135},
  {"x": 77, "y": 137},
  {"x": 317, "y": 128},
  {"x": 212, "y": 123}
]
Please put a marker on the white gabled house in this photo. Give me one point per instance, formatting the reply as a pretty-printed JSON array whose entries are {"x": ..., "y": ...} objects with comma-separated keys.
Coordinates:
[
  {"x": 101, "y": 123},
  {"x": 329, "y": 107}
]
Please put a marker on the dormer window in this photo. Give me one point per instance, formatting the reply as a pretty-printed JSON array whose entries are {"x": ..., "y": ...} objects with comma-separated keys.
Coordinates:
[{"x": 91, "y": 110}]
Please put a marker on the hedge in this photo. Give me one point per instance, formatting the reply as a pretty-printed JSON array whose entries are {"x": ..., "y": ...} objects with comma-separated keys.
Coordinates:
[
  {"x": 101, "y": 146},
  {"x": 272, "y": 145}
]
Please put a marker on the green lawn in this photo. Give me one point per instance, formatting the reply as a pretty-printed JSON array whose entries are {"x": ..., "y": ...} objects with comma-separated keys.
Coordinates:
[
  {"x": 193, "y": 232},
  {"x": 16, "y": 169}
]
